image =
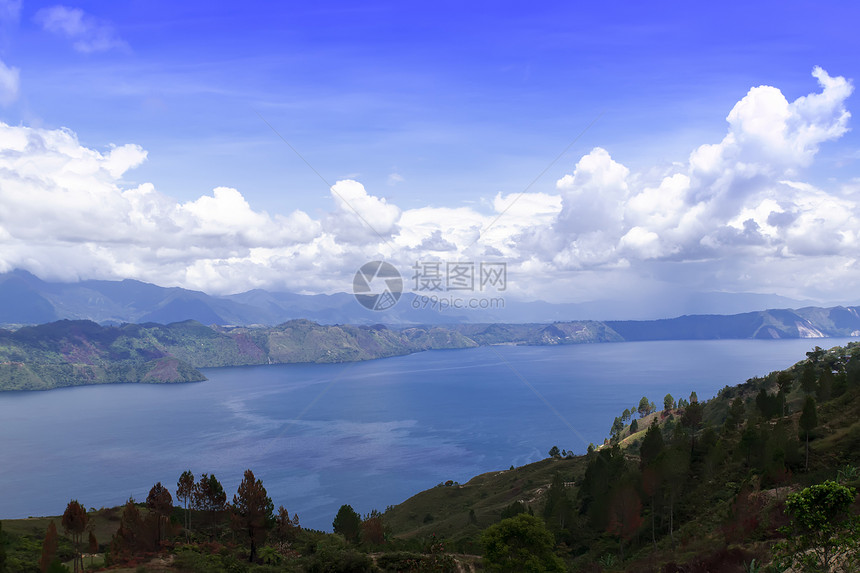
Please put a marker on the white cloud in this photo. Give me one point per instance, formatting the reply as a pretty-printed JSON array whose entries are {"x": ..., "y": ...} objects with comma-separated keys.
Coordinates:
[
  {"x": 359, "y": 216},
  {"x": 736, "y": 215},
  {"x": 10, "y": 81},
  {"x": 87, "y": 33}
]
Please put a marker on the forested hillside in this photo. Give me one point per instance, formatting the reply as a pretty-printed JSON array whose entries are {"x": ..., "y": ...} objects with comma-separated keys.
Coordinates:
[
  {"x": 719, "y": 485},
  {"x": 70, "y": 353}
]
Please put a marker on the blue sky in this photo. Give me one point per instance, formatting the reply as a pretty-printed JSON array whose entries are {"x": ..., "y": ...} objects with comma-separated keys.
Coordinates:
[{"x": 433, "y": 117}]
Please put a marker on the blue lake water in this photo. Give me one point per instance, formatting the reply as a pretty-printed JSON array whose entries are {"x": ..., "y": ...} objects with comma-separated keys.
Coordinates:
[{"x": 369, "y": 434}]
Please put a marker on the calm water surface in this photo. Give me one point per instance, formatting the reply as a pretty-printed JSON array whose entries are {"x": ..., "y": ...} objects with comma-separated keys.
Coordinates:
[{"x": 369, "y": 434}]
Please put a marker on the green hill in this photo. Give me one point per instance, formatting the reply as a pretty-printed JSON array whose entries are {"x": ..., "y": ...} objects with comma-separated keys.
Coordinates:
[{"x": 701, "y": 487}]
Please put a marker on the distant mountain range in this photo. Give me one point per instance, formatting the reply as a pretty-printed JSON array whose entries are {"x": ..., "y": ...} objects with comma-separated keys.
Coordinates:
[
  {"x": 66, "y": 353},
  {"x": 26, "y": 299}
]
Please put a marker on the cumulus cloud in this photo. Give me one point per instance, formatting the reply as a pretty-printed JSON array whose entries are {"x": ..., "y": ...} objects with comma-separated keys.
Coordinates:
[
  {"x": 10, "y": 80},
  {"x": 736, "y": 200},
  {"x": 737, "y": 215},
  {"x": 359, "y": 216},
  {"x": 87, "y": 33},
  {"x": 66, "y": 214}
]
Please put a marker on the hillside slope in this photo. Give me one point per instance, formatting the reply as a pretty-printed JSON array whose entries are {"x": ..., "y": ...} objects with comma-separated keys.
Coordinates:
[{"x": 696, "y": 487}]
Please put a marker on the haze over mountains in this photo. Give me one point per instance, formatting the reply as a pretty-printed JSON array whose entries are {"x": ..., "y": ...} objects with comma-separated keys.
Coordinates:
[{"x": 26, "y": 299}]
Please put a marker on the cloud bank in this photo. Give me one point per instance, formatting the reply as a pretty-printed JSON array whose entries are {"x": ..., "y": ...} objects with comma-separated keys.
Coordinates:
[{"x": 736, "y": 215}]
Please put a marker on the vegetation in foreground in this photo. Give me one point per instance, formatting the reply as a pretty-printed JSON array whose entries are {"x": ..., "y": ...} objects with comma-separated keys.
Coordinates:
[{"x": 762, "y": 477}]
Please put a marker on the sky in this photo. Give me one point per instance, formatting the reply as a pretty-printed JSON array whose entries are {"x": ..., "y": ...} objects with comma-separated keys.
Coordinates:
[{"x": 599, "y": 150}]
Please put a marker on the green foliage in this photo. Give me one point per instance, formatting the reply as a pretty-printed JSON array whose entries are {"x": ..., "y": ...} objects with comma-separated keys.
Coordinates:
[
  {"x": 692, "y": 417},
  {"x": 520, "y": 544},
  {"x": 668, "y": 402},
  {"x": 823, "y": 530},
  {"x": 652, "y": 445},
  {"x": 347, "y": 522},
  {"x": 331, "y": 555},
  {"x": 554, "y": 452},
  {"x": 644, "y": 407},
  {"x": 809, "y": 417},
  {"x": 2, "y": 549},
  {"x": 808, "y": 379},
  {"x": 634, "y": 426},
  {"x": 769, "y": 405}
]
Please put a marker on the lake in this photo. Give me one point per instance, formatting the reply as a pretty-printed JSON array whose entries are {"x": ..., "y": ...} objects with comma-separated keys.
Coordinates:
[{"x": 370, "y": 434}]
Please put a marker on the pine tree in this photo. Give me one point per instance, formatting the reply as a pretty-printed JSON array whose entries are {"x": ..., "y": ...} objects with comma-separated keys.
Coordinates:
[
  {"x": 75, "y": 520},
  {"x": 184, "y": 491},
  {"x": 348, "y": 523},
  {"x": 93, "y": 546},
  {"x": 808, "y": 421},
  {"x": 252, "y": 511},
  {"x": 49, "y": 547},
  {"x": 160, "y": 503}
]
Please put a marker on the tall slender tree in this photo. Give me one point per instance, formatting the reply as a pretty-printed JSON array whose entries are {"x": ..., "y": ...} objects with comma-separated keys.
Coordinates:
[
  {"x": 49, "y": 547},
  {"x": 160, "y": 503},
  {"x": 211, "y": 500},
  {"x": 75, "y": 520},
  {"x": 93, "y": 546},
  {"x": 184, "y": 492},
  {"x": 252, "y": 511},
  {"x": 808, "y": 422}
]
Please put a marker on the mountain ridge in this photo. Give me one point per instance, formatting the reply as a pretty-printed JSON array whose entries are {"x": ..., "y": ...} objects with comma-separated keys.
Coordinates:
[{"x": 27, "y": 299}]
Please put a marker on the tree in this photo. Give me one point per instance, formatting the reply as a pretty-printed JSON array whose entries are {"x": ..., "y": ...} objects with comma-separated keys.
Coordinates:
[
  {"x": 558, "y": 510},
  {"x": 815, "y": 354},
  {"x": 373, "y": 528},
  {"x": 160, "y": 503},
  {"x": 768, "y": 405},
  {"x": 520, "y": 544},
  {"x": 649, "y": 453},
  {"x": 93, "y": 546},
  {"x": 74, "y": 521},
  {"x": 634, "y": 427},
  {"x": 348, "y": 523},
  {"x": 668, "y": 402},
  {"x": 785, "y": 381},
  {"x": 735, "y": 416},
  {"x": 210, "y": 499},
  {"x": 252, "y": 511},
  {"x": 808, "y": 421},
  {"x": 625, "y": 513},
  {"x": 617, "y": 428},
  {"x": 808, "y": 380},
  {"x": 286, "y": 529},
  {"x": 644, "y": 407},
  {"x": 49, "y": 547},
  {"x": 131, "y": 536},
  {"x": 184, "y": 491},
  {"x": 692, "y": 417},
  {"x": 652, "y": 445},
  {"x": 554, "y": 452},
  {"x": 824, "y": 389},
  {"x": 626, "y": 414},
  {"x": 823, "y": 530},
  {"x": 693, "y": 398}
]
